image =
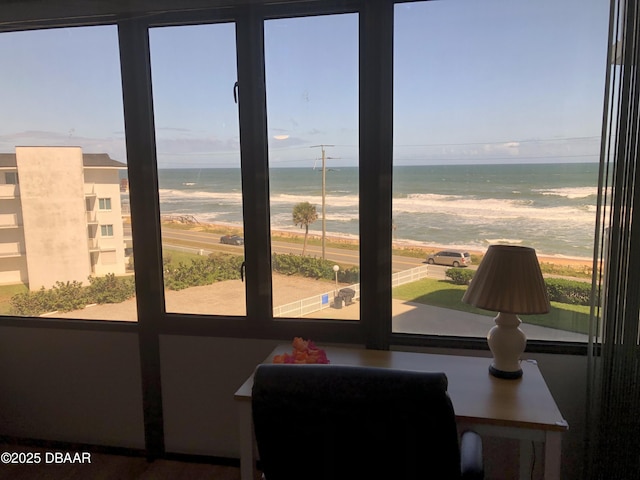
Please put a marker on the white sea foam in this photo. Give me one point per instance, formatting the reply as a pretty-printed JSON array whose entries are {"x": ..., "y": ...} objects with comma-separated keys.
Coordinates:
[
  {"x": 169, "y": 195},
  {"x": 488, "y": 209},
  {"x": 334, "y": 201},
  {"x": 569, "y": 192}
]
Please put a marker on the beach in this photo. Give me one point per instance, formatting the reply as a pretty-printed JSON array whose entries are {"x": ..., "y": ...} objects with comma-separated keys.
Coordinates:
[
  {"x": 549, "y": 207},
  {"x": 412, "y": 247}
]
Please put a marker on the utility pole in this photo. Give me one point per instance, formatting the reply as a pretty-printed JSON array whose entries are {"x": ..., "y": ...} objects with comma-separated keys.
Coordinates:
[{"x": 324, "y": 190}]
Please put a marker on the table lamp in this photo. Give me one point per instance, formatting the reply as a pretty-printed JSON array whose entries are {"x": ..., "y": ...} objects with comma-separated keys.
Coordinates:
[{"x": 508, "y": 281}]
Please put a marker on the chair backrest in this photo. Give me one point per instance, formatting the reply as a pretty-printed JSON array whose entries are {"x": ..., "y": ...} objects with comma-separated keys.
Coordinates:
[{"x": 332, "y": 422}]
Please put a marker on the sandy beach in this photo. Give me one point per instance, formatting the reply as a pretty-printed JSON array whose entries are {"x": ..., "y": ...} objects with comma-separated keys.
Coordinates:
[{"x": 427, "y": 249}]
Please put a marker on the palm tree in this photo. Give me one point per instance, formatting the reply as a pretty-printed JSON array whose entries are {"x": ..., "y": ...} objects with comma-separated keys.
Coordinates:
[{"x": 304, "y": 214}]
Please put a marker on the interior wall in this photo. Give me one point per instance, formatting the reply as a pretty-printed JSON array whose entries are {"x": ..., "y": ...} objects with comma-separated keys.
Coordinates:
[
  {"x": 71, "y": 386},
  {"x": 80, "y": 386}
]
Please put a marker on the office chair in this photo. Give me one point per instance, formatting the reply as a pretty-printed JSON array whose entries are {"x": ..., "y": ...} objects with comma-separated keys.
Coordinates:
[{"x": 335, "y": 422}]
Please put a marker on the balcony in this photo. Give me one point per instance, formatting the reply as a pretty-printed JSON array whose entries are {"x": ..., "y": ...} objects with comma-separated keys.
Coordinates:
[
  {"x": 11, "y": 249},
  {"x": 92, "y": 218},
  {"x": 90, "y": 190},
  {"x": 93, "y": 244},
  {"x": 9, "y": 220},
  {"x": 9, "y": 191}
]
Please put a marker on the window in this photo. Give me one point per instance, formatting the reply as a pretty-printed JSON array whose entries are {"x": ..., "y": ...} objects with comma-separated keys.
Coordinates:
[
  {"x": 312, "y": 99},
  {"x": 62, "y": 132},
  {"x": 495, "y": 141},
  {"x": 11, "y": 178},
  {"x": 106, "y": 230},
  {"x": 196, "y": 118},
  {"x": 104, "y": 203}
]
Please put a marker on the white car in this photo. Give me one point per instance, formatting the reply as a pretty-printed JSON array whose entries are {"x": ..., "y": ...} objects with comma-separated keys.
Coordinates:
[{"x": 450, "y": 257}]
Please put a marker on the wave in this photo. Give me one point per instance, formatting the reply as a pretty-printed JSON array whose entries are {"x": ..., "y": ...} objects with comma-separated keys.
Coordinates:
[
  {"x": 173, "y": 195},
  {"x": 488, "y": 209},
  {"x": 569, "y": 192}
]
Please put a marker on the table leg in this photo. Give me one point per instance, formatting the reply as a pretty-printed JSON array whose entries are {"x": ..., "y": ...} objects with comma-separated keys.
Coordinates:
[
  {"x": 526, "y": 455},
  {"x": 247, "y": 443},
  {"x": 552, "y": 455}
]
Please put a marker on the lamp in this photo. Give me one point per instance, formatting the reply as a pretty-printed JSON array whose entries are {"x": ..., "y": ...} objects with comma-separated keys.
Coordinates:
[{"x": 508, "y": 281}]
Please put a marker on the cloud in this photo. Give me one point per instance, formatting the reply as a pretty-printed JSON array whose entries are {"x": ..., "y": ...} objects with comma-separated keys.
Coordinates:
[{"x": 115, "y": 147}]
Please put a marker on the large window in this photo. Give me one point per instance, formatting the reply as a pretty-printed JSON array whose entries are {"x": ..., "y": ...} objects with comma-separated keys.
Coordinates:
[
  {"x": 196, "y": 119},
  {"x": 496, "y": 141},
  {"x": 62, "y": 134},
  {"x": 496, "y": 132},
  {"x": 312, "y": 99}
]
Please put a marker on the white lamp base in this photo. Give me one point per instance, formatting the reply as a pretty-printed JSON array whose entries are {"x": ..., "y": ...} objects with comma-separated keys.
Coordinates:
[{"x": 507, "y": 343}]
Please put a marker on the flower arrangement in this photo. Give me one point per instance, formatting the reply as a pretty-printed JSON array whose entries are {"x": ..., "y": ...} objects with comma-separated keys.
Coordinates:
[{"x": 304, "y": 351}]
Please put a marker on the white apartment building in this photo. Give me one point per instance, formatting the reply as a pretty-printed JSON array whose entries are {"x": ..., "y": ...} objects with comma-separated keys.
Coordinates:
[{"x": 60, "y": 216}]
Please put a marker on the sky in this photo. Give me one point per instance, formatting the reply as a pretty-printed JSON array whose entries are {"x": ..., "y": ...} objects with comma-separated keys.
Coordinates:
[{"x": 475, "y": 81}]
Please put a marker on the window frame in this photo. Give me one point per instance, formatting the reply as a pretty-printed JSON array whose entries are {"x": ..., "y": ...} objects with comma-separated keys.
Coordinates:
[
  {"x": 106, "y": 230},
  {"x": 104, "y": 204},
  {"x": 133, "y": 20},
  {"x": 375, "y": 144}
]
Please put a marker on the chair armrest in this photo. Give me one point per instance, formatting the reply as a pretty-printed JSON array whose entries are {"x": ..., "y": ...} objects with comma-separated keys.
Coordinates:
[{"x": 471, "y": 463}]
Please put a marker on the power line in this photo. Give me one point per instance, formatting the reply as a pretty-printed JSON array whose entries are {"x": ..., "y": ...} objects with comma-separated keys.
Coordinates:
[{"x": 324, "y": 189}]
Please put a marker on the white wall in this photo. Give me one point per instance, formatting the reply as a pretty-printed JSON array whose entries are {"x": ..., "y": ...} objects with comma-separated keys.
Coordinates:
[
  {"x": 106, "y": 182},
  {"x": 54, "y": 216},
  {"x": 83, "y": 387},
  {"x": 71, "y": 386}
]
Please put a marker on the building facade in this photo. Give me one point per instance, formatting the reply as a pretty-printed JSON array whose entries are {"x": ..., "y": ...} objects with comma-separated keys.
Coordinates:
[{"x": 60, "y": 216}]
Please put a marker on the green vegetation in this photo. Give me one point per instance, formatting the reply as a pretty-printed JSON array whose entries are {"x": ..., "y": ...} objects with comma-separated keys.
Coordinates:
[
  {"x": 304, "y": 214},
  {"x": 443, "y": 293},
  {"x": 201, "y": 271},
  {"x": 568, "y": 291},
  {"x": 313, "y": 267},
  {"x": 8, "y": 291},
  {"x": 575, "y": 271},
  {"x": 459, "y": 276},
  {"x": 68, "y": 296}
]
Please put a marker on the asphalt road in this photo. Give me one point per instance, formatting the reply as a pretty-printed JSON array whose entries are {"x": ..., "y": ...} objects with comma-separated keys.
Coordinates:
[{"x": 210, "y": 243}]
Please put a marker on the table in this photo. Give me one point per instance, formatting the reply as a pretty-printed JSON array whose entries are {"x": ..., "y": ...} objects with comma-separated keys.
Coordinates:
[{"x": 520, "y": 409}]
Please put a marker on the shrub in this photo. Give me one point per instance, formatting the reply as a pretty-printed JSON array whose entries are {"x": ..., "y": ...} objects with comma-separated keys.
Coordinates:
[
  {"x": 568, "y": 291},
  {"x": 32, "y": 303},
  {"x": 63, "y": 297},
  {"x": 459, "y": 276},
  {"x": 69, "y": 296},
  {"x": 202, "y": 271},
  {"x": 312, "y": 267},
  {"x": 110, "y": 289}
]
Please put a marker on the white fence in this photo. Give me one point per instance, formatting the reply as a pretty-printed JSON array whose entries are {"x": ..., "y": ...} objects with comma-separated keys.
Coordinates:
[{"x": 308, "y": 305}]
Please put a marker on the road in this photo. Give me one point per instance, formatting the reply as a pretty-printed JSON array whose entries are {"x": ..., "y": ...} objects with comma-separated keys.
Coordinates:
[{"x": 209, "y": 242}]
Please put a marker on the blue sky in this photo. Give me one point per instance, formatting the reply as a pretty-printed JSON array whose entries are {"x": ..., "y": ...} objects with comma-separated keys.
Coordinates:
[{"x": 475, "y": 82}]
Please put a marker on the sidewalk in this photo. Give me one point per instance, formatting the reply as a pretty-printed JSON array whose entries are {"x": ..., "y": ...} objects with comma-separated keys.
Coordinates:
[{"x": 409, "y": 317}]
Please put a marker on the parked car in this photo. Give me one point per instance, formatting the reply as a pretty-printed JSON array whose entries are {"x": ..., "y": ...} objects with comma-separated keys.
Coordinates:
[
  {"x": 450, "y": 257},
  {"x": 232, "y": 240}
]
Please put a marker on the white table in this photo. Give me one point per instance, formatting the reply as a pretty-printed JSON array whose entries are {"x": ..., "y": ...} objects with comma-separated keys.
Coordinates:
[{"x": 521, "y": 409}]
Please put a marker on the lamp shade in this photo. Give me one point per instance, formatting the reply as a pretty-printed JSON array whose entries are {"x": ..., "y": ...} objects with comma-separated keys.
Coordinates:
[{"x": 509, "y": 280}]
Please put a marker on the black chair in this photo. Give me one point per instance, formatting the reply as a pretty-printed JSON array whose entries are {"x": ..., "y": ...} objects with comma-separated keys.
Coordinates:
[{"x": 334, "y": 422}]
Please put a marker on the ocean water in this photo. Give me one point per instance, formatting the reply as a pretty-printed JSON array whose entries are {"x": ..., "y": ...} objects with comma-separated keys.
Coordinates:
[{"x": 550, "y": 207}]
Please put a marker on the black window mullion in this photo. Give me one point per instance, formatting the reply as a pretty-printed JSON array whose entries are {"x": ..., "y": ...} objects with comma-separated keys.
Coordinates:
[
  {"x": 376, "y": 162},
  {"x": 145, "y": 214},
  {"x": 254, "y": 161}
]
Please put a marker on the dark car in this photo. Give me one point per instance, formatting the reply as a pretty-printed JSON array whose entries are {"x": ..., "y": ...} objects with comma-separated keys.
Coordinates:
[
  {"x": 450, "y": 257},
  {"x": 232, "y": 240}
]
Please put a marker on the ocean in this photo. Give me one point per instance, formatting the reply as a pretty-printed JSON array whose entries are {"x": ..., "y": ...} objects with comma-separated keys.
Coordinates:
[{"x": 550, "y": 207}]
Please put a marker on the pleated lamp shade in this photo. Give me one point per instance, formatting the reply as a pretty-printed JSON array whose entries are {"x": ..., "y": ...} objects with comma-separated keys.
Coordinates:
[{"x": 509, "y": 280}]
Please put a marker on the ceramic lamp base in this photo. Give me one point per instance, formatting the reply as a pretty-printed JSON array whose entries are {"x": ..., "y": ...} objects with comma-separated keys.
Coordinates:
[
  {"x": 506, "y": 375},
  {"x": 507, "y": 343}
]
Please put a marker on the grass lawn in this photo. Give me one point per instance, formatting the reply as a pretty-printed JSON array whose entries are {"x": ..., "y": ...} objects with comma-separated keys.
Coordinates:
[
  {"x": 8, "y": 291},
  {"x": 177, "y": 256},
  {"x": 442, "y": 293}
]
